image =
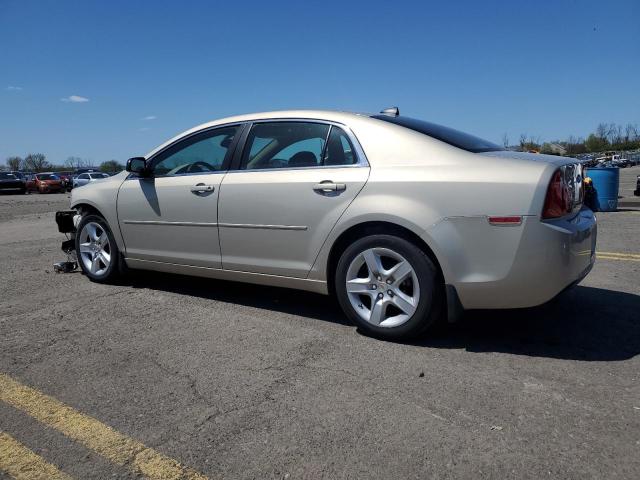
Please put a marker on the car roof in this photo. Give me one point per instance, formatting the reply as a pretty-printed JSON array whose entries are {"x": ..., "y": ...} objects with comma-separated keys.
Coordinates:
[{"x": 328, "y": 115}]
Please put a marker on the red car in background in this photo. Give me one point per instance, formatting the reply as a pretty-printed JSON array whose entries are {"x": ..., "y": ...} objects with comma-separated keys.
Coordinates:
[
  {"x": 45, "y": 183},
  {"x": 67, "y": 179}
]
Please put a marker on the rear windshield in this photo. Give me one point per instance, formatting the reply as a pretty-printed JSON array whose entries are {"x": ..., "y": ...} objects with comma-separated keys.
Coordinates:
[
  {"x": 445, "y": 134},
  {"x": 46, "y": 176},
  {"x": 98, "y": 175}
]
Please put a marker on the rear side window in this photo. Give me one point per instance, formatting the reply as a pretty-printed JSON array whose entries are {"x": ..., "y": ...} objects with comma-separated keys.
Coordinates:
[
  {"x": 284, "y": 145},
  {"x": 339, "y": 149},
  {"x": 448, "y": 135}
]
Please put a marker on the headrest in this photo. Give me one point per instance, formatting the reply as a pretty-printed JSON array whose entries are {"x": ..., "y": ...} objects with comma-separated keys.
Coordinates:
[{"x": 303, "y": 159}]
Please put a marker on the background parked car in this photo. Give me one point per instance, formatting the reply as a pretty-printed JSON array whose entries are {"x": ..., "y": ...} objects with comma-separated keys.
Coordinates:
[
  {"x": 20, "y": 175},
  {"x": 11, "y": 183},
  {"x": 45, "y": 183},
  {"x": 67, "y": 179},
  {"x": 85, "y": 178}
]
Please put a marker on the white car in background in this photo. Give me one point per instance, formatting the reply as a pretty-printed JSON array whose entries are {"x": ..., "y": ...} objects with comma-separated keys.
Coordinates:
[
  {"x": 404, "y": 221},
  {"x": 85, "y": 178}
]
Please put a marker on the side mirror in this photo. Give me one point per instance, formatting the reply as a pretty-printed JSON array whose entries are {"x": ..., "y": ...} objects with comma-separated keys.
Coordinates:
[{"x": 137, "y": 165}]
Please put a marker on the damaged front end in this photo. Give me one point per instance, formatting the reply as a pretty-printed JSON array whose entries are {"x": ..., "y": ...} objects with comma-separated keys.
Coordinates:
[{"x": 67, "y": 221}]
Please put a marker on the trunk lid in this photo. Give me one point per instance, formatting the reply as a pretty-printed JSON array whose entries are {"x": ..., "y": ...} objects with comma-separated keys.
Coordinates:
[{"x": 536, "y": 157}]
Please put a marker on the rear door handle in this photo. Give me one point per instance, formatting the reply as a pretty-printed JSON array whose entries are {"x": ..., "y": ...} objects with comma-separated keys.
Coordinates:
[
  {"x": 202, "y": 188},
  {"x": 327, "y": 186}
]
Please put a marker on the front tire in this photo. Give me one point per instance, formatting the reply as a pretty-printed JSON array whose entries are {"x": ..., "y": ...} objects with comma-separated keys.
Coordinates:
[
  {"x": 96, "y": 249},
  {"x": 388, "y": 287}
]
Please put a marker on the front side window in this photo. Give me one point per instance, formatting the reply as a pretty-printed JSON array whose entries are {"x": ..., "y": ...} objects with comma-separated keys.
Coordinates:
[
  {"x": 83, "y": 176},
  {"x": 284, "y": 145},
  {"x": 201, "y": 153}
]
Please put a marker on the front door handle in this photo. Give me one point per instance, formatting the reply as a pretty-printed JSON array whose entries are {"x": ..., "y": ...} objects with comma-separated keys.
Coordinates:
[
  {"x": 202, "y": 188},
  {"x": 327, "y": 186}
]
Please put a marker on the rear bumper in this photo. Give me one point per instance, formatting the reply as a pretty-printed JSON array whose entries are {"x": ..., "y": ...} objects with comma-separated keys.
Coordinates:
[{"x": 517, "y": 267}]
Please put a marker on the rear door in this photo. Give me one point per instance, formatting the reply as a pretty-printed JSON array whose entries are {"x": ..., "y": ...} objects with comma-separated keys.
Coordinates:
[{"x": 290, "y": 183}]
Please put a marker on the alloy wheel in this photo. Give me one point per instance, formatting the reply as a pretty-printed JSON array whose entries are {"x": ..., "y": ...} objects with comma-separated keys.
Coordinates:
[
  {"x": 382, "y": 287},
  {"x": 95, "y": 249}
]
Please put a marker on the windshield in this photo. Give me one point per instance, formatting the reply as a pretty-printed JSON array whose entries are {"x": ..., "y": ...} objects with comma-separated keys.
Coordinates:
[
  {"x": 448, "y": 135},
  {"x": 7, "y": 176},
  {"x": 46, "y": 176}
]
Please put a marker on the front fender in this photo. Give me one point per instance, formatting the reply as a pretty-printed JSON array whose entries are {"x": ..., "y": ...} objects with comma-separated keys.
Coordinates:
[{"x": 102, "y": 196}]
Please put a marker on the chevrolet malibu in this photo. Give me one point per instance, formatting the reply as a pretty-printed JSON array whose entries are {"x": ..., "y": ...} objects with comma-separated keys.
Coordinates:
[{"x": 403, "y": 220}]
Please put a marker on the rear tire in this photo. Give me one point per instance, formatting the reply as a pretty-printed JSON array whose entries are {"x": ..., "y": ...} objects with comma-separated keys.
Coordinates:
[
  {"x": 96, "y": 249},
  {"x": 388, "y": 287}
]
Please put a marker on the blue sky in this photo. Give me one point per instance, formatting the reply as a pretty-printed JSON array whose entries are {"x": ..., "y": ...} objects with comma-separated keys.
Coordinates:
[{"x": 545, "y": 68}]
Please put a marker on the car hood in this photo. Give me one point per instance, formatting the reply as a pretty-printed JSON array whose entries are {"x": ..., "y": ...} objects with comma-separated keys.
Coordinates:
[{"x": 536, "y": 157}]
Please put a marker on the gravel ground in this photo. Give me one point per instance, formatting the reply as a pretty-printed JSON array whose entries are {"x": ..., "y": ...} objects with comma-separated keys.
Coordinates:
[{"x": 242, "y": 381}]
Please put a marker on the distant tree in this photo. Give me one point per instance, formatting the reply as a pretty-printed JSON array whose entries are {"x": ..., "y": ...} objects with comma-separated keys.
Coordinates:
[
  {"x": 602, "y": 131},
  {"x": 111, "y": 166},
  {"x": 36, "y": 162},
  {"x": 631, "y": 132},
  {"x": 529, "y": 143},
  {"x": 15, "y": 163},
  {"x": 596, "y": 143},
  {"x": 76, "y": 162},
  {"x": 574, "y": 145}
]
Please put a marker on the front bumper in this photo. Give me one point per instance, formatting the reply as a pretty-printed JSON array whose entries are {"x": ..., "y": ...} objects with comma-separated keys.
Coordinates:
[{"x": 517, "y": 267}]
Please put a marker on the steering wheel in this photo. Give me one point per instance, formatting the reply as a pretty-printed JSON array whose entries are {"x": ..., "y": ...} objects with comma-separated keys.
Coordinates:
[{"x": 204, "y": 167}]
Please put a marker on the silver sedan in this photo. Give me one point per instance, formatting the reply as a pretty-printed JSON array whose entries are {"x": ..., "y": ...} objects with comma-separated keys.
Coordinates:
[
  {"x": 406, "y": 222},
  {"x": 85, "y": 178}
]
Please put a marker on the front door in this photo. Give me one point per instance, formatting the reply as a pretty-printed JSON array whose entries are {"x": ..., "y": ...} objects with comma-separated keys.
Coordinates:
[
  {"x": 172, "y": 215},
  {"x": 293, "y": 181}
]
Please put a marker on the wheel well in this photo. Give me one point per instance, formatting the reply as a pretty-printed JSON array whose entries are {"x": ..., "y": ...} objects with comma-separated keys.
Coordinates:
[
  {"x": 372, "y": 228},
  {"x": 86, "y": 209}
]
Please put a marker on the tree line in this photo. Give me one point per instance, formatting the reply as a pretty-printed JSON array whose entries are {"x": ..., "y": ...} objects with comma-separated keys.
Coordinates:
[
  {"x": 607, "y": 136},
  {"x": 37, "y": 162}
]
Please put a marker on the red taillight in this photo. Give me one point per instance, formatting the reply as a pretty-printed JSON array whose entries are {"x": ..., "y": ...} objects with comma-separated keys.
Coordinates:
[{"x": 558, "y": 201}]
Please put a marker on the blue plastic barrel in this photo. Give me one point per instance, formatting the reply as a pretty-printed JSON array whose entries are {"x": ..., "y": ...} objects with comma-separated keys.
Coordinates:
[{"x": 606, "y": 181}]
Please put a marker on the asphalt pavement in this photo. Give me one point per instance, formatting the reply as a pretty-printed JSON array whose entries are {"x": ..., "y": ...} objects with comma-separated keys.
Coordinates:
[{"x": 174, "y": 377}]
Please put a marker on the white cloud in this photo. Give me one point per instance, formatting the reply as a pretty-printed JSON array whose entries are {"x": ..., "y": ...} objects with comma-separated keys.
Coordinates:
[
  {"x": 150, "y": 117},
  {"x": 13, "y": 88},
  {"x": 75, "y": 99},
  {"x": 144, "y": 129}
]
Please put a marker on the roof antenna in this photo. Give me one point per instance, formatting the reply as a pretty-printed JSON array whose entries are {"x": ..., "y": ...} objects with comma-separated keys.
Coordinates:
[{"x": 391, "y": 111}]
